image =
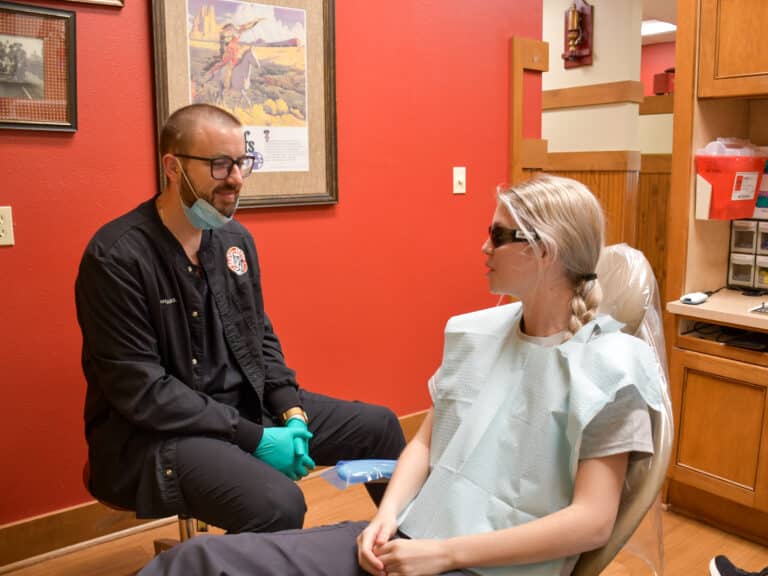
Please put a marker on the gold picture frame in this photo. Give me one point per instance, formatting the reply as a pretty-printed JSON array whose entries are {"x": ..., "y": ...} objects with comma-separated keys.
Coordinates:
[{"x": 272, "y": 64}]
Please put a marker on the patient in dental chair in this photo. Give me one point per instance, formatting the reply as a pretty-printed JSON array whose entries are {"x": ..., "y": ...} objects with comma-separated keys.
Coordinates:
[{"x": 538, "y": 406}]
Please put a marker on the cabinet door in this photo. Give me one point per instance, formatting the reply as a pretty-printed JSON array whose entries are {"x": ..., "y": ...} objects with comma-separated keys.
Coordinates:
[
  {"x": 721, "y": 426},
  {"x": 733, "y": 48}
]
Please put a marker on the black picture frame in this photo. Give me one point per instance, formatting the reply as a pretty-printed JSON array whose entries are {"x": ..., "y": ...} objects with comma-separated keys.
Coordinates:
[
  {"x": 38, "y": 69},
  {"x": 118, "y": 3}
]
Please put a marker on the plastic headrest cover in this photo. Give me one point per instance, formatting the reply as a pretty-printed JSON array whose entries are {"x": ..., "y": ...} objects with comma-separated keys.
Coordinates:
[{"x": 628, "y": 285}]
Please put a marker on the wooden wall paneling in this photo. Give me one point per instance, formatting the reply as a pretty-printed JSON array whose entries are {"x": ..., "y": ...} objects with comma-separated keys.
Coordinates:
[
  {"x": 653, "y": 198},
  {"x": 598, "y": 161},
  {"x": 617, "y": 193},
  {"x": 633, "y": 191}
]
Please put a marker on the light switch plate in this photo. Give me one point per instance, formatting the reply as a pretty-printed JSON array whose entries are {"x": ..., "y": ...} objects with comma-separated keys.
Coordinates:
[
  {"x": 6, "y": 226},
  {"x": 459, "y": 180}
]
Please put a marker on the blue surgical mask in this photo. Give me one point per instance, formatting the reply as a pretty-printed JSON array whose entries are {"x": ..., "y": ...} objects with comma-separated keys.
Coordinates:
[{"x": 202, "y": 215}]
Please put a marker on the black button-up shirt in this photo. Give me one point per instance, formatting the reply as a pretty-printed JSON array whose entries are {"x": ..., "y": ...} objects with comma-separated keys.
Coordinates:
[{"x": 171, "y": 349}]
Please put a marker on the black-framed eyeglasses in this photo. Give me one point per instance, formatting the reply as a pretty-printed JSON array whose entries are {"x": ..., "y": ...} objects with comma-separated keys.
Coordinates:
[
  {"x": 221, "y": 166},
  {"x": 501, "y": 235}
]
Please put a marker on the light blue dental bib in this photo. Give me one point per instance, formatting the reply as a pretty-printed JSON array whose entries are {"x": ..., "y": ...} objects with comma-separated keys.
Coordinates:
[{"x": 509, "y": 418}]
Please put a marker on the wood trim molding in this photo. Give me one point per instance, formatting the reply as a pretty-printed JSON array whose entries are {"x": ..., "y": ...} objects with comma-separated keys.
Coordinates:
[
  {"x": 534, "y": 153},
  {"x": 32, "y": 540},
  {"x": 31, "y": 560},
  {"x": 656, "y": 164},
  {"x": 657, "y": 105},
  {"x": 627, "y": 91},
  {"x": 524, "y": 54},
  {"x": 594, "y": 161},
  {"x": 62, "y": 528},
  {"x": 679, "y": 207}
]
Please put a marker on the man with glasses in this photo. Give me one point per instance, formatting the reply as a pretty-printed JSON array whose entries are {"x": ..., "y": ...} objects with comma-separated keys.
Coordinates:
[{"x": 190, "y": 407}]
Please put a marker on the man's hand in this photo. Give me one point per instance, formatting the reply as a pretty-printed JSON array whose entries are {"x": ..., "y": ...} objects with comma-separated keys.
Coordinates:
[
  {"x": 277, "y": 448},
  {"x": 302, "y": 463}
]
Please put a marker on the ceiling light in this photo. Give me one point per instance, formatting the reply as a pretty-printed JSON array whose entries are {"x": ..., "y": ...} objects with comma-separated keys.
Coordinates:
[{"x": 653, "y": 27}]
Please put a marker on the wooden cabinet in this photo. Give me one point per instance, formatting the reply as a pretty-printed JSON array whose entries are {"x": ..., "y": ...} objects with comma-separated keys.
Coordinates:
[
  {"x": 733, "y": 55},
  {"x": 719, "y": 468},
  {"x": 721, "y": 414}
]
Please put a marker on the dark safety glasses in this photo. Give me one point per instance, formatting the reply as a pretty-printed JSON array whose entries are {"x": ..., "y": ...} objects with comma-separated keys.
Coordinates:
[{"x": 500, "y": 235}]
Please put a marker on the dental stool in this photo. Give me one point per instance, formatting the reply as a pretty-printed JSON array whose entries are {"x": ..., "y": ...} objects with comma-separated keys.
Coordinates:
[{"x": 188, "y": 527}]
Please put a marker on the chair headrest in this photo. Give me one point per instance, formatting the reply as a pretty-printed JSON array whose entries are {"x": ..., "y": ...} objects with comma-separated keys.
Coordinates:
[{"x": 628, "y": 283}]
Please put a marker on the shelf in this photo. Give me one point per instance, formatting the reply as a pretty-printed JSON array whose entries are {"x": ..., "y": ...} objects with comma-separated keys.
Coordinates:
[
  {"x": 727, "y": 307},
  {"x": 696, "y": 343}
]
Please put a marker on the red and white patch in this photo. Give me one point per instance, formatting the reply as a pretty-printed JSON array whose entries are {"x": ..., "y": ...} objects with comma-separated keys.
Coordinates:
[{"x": 236, "y": 260}]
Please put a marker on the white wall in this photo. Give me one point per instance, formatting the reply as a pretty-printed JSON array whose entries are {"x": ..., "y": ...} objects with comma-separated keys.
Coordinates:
[
  {"x": 656, "y": 134},
  {"x": 616, "y": 58}
]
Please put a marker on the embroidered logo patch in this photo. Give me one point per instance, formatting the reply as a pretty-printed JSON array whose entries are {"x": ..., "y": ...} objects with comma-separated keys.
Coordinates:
[{"x": 236, "y": 260}]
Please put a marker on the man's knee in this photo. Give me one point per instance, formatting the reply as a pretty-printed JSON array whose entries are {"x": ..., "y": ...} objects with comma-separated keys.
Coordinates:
[
  {"x": 285, "y": 509},
  {"x": 384, "y": 427}
]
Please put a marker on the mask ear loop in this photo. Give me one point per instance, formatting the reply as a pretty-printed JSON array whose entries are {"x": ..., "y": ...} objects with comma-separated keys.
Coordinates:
[
  {"x": 184, "y": 173},
  {"x": 501, "y": 297}
]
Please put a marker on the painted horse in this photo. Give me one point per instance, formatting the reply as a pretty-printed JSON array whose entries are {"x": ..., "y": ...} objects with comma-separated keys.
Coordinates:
[{"x": 235, "y": 80}]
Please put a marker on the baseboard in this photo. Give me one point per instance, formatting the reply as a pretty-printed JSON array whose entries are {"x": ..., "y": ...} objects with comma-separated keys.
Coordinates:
[
  {"x": 33, "y": 539},
  {"x": 58, "y": 552},
  {"x": 60, "y": 529},
  {"x": 410, "y": 423}
]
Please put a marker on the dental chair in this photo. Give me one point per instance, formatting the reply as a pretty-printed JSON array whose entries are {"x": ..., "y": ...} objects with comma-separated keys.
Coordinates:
[{"x": 631, "y": 296}]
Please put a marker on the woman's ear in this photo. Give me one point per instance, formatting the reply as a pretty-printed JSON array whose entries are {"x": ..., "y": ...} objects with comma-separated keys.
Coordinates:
[{"x": 544, "y": 253}]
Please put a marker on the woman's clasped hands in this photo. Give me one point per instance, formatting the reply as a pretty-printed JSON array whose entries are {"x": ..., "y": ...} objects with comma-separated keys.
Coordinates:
[{"x": 379, "y": 555}]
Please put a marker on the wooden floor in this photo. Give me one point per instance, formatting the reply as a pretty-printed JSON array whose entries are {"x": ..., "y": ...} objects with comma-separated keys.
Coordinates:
[{"x": 688, "y": 545}]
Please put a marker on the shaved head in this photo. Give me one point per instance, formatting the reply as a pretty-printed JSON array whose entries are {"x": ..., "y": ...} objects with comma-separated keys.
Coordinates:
[{"x": 180, "y": 127}]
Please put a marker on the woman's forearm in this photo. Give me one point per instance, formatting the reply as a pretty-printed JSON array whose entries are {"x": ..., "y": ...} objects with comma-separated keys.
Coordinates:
[
  {"x": 584, "y": 525},
  {"x": 558, "y": 535},
  {"x": 411, "y": 471}
]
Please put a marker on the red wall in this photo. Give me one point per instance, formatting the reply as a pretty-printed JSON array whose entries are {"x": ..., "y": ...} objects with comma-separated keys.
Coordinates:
[
  {"x": 655, "y": 58},
  {"x": 359, "y": 292}
]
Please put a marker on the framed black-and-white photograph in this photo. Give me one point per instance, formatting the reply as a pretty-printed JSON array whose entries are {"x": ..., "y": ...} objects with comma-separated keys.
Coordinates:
[
  {"x": 270, "y": 63},
  {"x": 37, "y": 68}
]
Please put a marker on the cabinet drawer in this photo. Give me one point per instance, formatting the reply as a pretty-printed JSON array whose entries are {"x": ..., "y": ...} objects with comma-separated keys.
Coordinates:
[{"x": 721, "y": 426}]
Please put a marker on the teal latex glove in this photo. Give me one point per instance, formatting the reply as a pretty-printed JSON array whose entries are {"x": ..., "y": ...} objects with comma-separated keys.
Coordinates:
[
  {"x": 302, "y": 462},
  {"x": 277, "y": 448},
  {"x": 302, "y": 465},
  {"x": 300, "y": 446}
]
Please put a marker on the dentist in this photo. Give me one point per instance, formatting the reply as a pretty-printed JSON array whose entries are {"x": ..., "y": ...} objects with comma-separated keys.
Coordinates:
[{"x": 190, "y": 407}]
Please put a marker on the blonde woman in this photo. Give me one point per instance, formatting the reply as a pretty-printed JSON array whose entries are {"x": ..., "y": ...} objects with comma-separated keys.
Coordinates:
[{"x": 537, "y": 407}]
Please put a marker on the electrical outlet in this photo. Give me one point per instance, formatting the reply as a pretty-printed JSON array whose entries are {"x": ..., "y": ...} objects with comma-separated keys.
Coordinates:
[
  {"x": 459, "y": 180},
  {"x": 6, "y": 226}
]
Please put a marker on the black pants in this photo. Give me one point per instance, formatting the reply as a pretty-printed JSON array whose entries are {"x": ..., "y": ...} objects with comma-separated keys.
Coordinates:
[
  {"x": 323, "y": 551},
  {"x": 229, "y": 488}
]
